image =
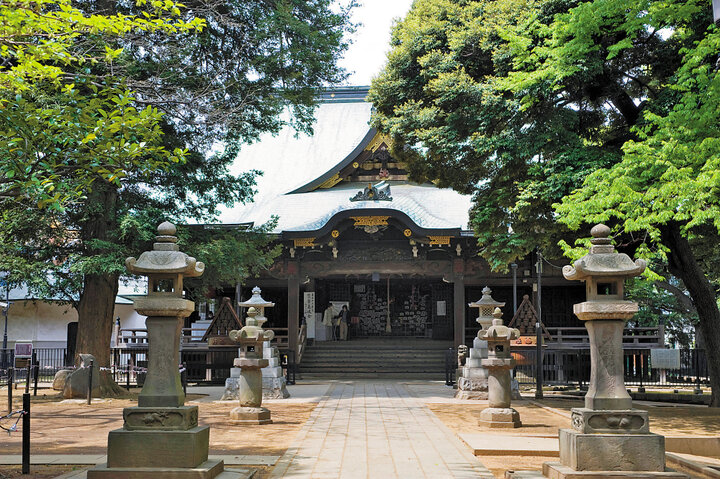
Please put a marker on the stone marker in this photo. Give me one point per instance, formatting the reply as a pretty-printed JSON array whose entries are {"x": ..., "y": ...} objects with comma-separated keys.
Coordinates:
[
  {"x": 473, "y": 377},
  {"x": 161, "y": 437},
  {"x": 608, "y": 434},
  {"x": 76, "y": 382},
  {"x": 498, "y": 364},
  {"x": 250, "y": 392}
]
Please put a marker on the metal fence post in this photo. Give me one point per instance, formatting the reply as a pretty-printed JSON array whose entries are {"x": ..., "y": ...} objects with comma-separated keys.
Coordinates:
[
  {"x": 183, "y": 378},
  {"x": 90, "y": 378},
  {"x": 26, "y": 434},
  {"x": 697, "y": 372},
  {"x": 127, "y": 375},
  {"x": 11, "y": 380},
  {"x": 37, "y": 373}
]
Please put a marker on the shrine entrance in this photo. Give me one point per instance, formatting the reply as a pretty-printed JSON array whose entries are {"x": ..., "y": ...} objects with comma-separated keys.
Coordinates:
[{"x": 392, "y": 306}]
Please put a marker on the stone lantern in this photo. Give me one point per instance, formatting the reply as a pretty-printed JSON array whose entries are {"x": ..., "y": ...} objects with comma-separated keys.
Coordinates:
[
  {"x": 161, "y": 436},
  {"x": 472, "y": 377},
  {"x": 250, "y": 361},
  {"x": 608, "y": 434},
  {"x": 499, "y": 363},
  {"x": 256, "y": 301},
  {"x": 486, "y": 305}
]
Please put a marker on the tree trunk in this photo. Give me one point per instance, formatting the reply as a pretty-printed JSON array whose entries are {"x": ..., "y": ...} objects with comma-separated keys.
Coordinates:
[
  {"x": 683, "y": 264},
  {"x": 97, "y": 300},
  {"x": 95, "y": 320}
]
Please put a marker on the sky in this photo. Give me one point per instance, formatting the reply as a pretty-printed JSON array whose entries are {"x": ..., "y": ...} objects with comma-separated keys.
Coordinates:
[{"x": 366, "y": 56}]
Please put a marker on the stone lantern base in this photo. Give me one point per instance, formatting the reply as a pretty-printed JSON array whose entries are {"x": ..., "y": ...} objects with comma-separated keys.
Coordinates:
[
  {"x": 250, "y": 415},
  {"x": 496, "y": 417},
  {"x": 162, "y": 442}
]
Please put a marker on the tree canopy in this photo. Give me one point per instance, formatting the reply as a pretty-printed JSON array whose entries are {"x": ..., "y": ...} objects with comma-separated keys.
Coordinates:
[
  {"x": 562, "y": 113},
  {"x": 118, "y": 115}
]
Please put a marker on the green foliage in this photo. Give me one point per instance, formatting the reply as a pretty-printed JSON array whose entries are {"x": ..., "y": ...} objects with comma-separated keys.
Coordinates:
[{"x": 517, "y": 101}]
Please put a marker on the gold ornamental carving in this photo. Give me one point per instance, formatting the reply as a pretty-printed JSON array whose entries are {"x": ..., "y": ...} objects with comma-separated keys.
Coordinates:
[
  {"x": 335, "y": 233},
  {"x": 370, "y": 220},
  {"x": 439, "y": 240},
  {"x": 407, "y": 233},
  {"x": 378, "y": 140},
  {"x": 304, "y": 242},
  {"x": 332, "y": 181}
]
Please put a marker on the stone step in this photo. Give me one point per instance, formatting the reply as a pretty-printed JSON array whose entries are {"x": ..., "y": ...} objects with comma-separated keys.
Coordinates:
[{"x": 373, "y": 375}]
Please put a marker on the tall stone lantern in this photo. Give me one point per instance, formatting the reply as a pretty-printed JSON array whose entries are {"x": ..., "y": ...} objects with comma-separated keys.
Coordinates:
[
  {"x": 486, "y": 306},
  {"x": 608, "y": 434},
  {"x": 250, "y": 361},
  {"x": 499, "y": 363},
  {"x": 161, "y": 437},
  {"x": 256, "y": 301}
]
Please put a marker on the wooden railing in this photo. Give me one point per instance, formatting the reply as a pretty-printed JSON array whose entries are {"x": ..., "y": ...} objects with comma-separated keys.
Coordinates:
[
  {"x": 574, "y": 336},
  {"x": 131, "y": 337}
]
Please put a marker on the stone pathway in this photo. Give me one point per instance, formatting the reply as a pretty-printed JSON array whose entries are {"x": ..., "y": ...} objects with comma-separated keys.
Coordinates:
[{"x": 376, "y": 429}]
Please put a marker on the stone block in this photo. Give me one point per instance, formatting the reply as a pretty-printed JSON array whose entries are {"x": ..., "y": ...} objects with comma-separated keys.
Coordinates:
[
  {"x": 480, "y": 344},
  {"x": 555, "y": 470},
  {"x": 235, "y": 372},
  {"x": 611, "y": 452},
  {"x": 505, "y": 418},
  {"x": 629, "y": 421},
  {"x": 250, "y": 415},
  {"x": 60, "y": 379},
  {"x": 76, "y": 383},
  {"x": 207, "y": 470},
  {"x": 273, "y": 362},
  {"x": 160, "y": 418},
  {"x": 473, "y": 363},
  {"x": 272, "y": 372},
  {"x": 182, "y": 449},
  {"x": 274, "y": 388},
  {"x": 475, "y": 373},
  {"x": 476, "y": 353}
]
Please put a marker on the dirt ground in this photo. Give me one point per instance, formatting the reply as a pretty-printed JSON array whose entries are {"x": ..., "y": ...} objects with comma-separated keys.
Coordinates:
[
  {"x": 76, "y": 428},
  {"x": 668, "y": 420},
  {"x": 73, "y": 427}
]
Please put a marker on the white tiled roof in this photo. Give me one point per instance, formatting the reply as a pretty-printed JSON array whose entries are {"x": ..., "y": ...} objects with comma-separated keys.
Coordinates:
[{"x": 290, "y": 161}]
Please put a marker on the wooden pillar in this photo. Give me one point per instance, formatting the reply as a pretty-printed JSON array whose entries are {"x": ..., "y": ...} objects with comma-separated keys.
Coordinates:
[
  {"x": 293, "y": 304},
  {"x": 459, "y": 301}
]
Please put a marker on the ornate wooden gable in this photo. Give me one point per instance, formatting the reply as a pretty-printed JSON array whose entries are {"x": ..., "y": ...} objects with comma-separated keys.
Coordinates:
[
  {"x": 525, "y": 319},
  {"x": 224, "y": 321}
]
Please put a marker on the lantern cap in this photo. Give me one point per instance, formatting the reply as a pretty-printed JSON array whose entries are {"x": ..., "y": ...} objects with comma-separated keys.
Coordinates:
[
  {"x": 486, "y": 300},
  {"x": 498, "y": 331},
  {"x": 602, "y": 260},
  {"x": 165, "y": 257},
  {"x": 256, "y": 301},
  {"x": 251, "y": 332}
]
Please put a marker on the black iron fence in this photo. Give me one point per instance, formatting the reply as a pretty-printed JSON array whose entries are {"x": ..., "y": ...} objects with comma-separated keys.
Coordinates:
[
  {"x": 572, "y": 367},
  {"x": 48, "y": 361},
  {"x": 562, "y": 367}
]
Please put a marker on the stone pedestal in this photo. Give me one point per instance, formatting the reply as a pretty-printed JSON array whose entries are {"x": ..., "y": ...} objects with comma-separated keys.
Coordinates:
[
  {"x": 609, "y": 438},
  {"x": 160, "y": 437},
  {"x": 502, "y": 418},
  {"x": 472, "y": 384},
  {"x": 273, "y": 380}
]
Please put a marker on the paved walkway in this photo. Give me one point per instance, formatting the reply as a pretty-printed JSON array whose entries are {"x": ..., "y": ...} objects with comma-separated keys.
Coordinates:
[{"x": 376, "y": 429}]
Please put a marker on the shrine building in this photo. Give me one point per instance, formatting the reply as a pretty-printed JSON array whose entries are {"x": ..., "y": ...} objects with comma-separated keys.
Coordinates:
[{"x": 355, "y": 230}]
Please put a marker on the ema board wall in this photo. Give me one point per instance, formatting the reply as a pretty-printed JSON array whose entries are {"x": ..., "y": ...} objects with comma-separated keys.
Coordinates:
[{"x": 45, "y": 323}]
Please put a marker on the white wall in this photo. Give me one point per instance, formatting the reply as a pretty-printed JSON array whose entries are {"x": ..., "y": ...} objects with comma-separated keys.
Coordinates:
[{"x": 45, "y": 323}]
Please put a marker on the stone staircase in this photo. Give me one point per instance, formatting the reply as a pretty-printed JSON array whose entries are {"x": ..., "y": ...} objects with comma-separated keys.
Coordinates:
[{"x": 375, "y": 358}]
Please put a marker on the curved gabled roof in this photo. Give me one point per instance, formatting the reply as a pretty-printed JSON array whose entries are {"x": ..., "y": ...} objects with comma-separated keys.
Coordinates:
[{"x": 295, "y": 167}]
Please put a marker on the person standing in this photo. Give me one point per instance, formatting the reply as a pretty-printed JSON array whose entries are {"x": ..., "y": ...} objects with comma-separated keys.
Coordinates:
[
  {"x": 343, "y": 318},
  {"x": 328, "y": 320}
]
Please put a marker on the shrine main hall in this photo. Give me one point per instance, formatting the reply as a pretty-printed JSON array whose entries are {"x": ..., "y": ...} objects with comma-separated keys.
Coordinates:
[{"x": 355, "y": 230}]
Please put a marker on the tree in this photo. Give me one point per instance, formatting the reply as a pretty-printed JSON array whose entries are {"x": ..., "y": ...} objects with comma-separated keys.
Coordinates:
[
  {"x": 668, "y": 186},
  {"x": 519, "y": 101},
  {"x": 83, "y": 242}
]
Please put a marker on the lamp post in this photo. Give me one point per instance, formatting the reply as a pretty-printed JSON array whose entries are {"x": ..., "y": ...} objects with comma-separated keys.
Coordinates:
[
  {"x": 513, "y": 267},
  {"x": 6, "y": 307},
  {"x": 538, "y": 333}
]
